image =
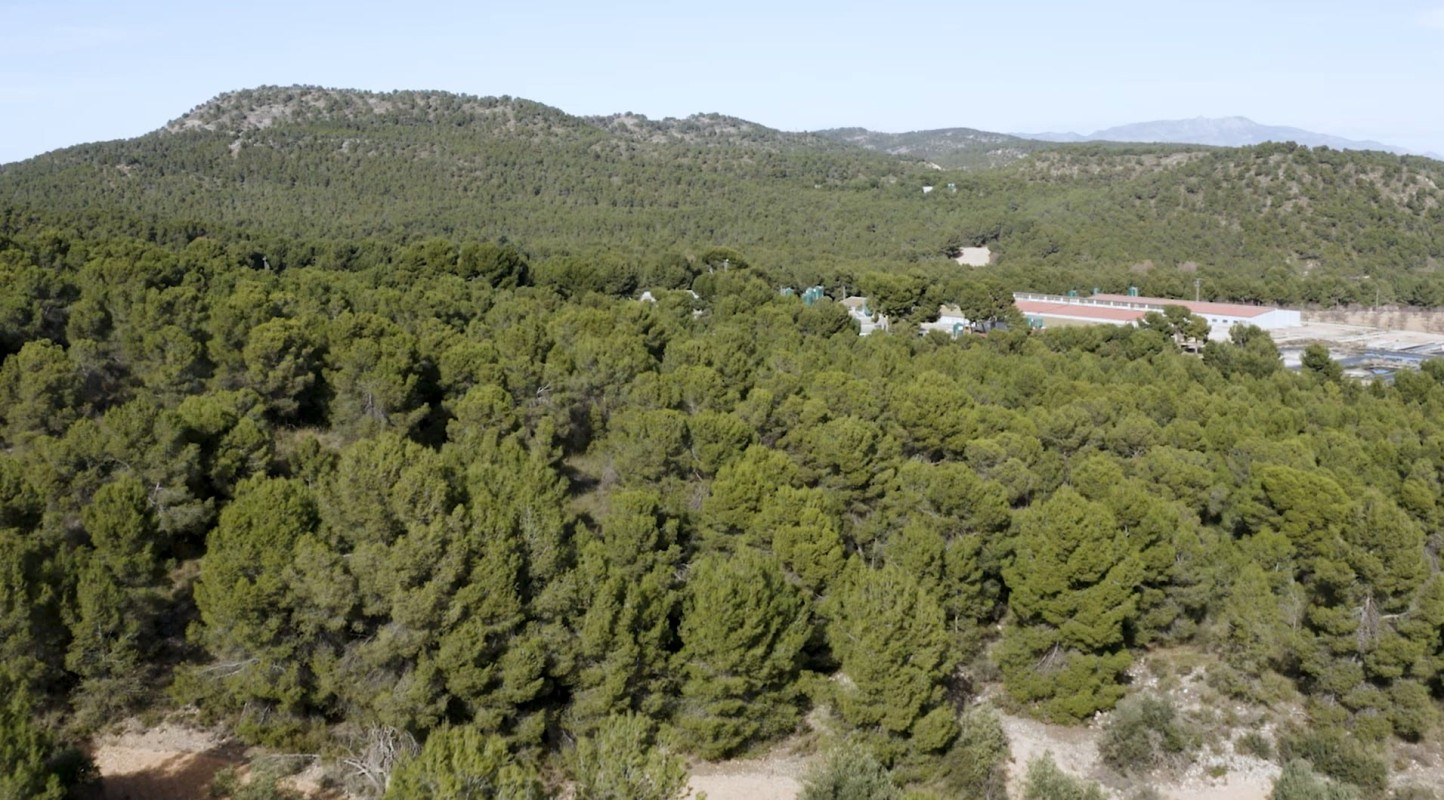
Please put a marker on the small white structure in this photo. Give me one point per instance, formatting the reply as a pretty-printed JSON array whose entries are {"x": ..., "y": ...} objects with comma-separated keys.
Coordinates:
[
  {"x": 950, "y": 321},
  {"x": 857, "y": 308}
]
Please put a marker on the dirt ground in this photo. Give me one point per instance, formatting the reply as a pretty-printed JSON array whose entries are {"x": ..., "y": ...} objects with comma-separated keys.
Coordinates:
[
  {"x": 174, "y": 762},
  {"x": 1075, "y": 750},
  {"x": 777, "y": 776},
  {"x": 166, "y": 762},
  {"x": 1421, "y": 320}
]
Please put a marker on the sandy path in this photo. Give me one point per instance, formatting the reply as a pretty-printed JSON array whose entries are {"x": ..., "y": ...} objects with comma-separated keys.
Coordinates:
[{"x": 774, "y": 777}]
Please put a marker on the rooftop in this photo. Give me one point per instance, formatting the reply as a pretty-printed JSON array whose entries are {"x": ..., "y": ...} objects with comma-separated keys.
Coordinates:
[
  {"x": 1081, "y": 311},
  {"x": 1197, "y": 307}
]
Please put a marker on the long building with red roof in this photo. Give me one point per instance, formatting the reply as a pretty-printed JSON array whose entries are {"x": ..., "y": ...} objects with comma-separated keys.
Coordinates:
[{"x": 1041, "y": 310}]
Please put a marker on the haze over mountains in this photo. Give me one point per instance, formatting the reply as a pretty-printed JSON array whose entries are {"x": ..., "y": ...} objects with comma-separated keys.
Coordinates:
[{"x": 1218, "y": 132}]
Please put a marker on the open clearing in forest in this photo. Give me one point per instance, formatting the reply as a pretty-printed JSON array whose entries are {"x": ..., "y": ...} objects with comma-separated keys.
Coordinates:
[
  {"x": 165, "y": 762},
  {"x": 775, "y": 776}
]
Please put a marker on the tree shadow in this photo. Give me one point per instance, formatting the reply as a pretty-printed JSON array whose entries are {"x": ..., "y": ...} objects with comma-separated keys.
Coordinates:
[{"x": 179, "y": 776}]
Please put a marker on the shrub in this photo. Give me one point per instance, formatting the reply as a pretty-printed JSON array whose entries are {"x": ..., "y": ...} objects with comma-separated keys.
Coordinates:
[
  {"x": 1045, "y": 781},
  {"x": 1145, "y": 733},
  {"x": 1413, "y": 793},
  {"x": 1299, "y": 782},
  {"x": 621, "y": 761},
  {"x": 1254, "y": 744},
  {"x": 849, "y": 773},
  {"x": 1413, "y": 712},
  {"x": 265, "y": 783},
  {"x": 465, "y": 763},
  {"x": 974, "y": 766},
  {"x": 1334, "y": 753}
]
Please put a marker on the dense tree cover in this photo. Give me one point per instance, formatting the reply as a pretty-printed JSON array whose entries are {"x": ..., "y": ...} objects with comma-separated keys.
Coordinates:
[
  {"x": 954, "y": 148},
  {"x": 449, "y": 494},
  {"x": 300, "y": 176}
]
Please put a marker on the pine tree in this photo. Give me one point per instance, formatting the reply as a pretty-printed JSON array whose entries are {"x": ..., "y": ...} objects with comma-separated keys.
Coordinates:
[
  {"x": 244, "y": 599},
  {"x": 1074, "y": 582},
  {"x": 1255, "y": 635},
  {"x": 25, "y": 750},
  {"x": 116, "y": 597},
  {"x": 374, "y": 373},
  {"x": 620, "y": 762},
  {"x": 39, "y": 392},
  {"x": 463, "y": 763},
  {"x": 890, "y": 638},
  {"x": 281, "y": 364},
  {"x": 626, "y": 635},
  {"x": 743, "y": 628},
  {"x": 803, "y": 529}
]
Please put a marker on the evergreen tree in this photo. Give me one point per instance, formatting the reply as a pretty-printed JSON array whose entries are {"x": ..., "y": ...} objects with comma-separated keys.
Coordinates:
[
  {"x": 245, "y": 602},
  {"x": 620, "y": 762},
  {"x": 281, "y": 364},
  {"x": 1255, "y": 636},
  {"x": 463, "y": 763},
  {"x": 1074, "y": 580},
  {"x": 39, "y": 392},
  {"x": 889, "y": 636},
  {"x": 742, "y": 632},
  {"x": 625, "y": 637},
  {"x": 25, "y": 749},
  {"x": 116, "y": 596}
]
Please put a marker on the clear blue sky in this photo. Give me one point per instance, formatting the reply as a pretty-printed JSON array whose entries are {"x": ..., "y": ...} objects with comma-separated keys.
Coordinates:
[{"x": 73, "y": 71}]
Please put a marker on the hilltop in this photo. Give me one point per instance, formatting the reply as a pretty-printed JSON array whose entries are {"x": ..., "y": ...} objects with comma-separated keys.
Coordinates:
[{"x": 954, "y": 148}]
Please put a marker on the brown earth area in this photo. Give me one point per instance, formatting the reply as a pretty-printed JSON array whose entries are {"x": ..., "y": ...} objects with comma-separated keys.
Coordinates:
[
  {"x": 166, "y": 762},
  {"x": 1388, "y": 318}
]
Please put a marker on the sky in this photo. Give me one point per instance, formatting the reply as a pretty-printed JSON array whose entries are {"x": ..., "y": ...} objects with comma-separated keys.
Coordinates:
[{"x": 74, "y": 71}]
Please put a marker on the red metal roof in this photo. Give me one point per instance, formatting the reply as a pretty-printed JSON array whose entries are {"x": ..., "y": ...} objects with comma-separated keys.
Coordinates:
[
  {"x": 1216, "y": 309},
  {"x": 1079, "y": 311}
]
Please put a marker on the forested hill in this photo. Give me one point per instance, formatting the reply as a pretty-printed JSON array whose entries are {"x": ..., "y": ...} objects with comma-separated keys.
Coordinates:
[
  {"x": 955, "y": 148},
  {"x": 284, "y": 165}
]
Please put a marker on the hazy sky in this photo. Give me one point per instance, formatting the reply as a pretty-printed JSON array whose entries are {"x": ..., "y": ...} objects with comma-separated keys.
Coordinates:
[{"x": 74, "y": 71}]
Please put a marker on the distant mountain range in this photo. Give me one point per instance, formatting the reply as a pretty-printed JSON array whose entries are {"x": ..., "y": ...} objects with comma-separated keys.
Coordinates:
[
  {"x": 967, "y": 148},
  {"x": 1219, "y": 132}
]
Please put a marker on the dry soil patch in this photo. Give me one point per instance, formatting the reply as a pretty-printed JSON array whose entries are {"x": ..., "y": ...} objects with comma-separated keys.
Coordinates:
[{"x": 167, "y": 762}]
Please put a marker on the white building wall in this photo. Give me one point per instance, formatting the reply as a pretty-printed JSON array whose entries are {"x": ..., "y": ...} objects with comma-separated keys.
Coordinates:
[
  {"x": 1280, "y": 318},
  {"x": 947, "y": 323},
  {"x": 1220, "y": 324}
]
